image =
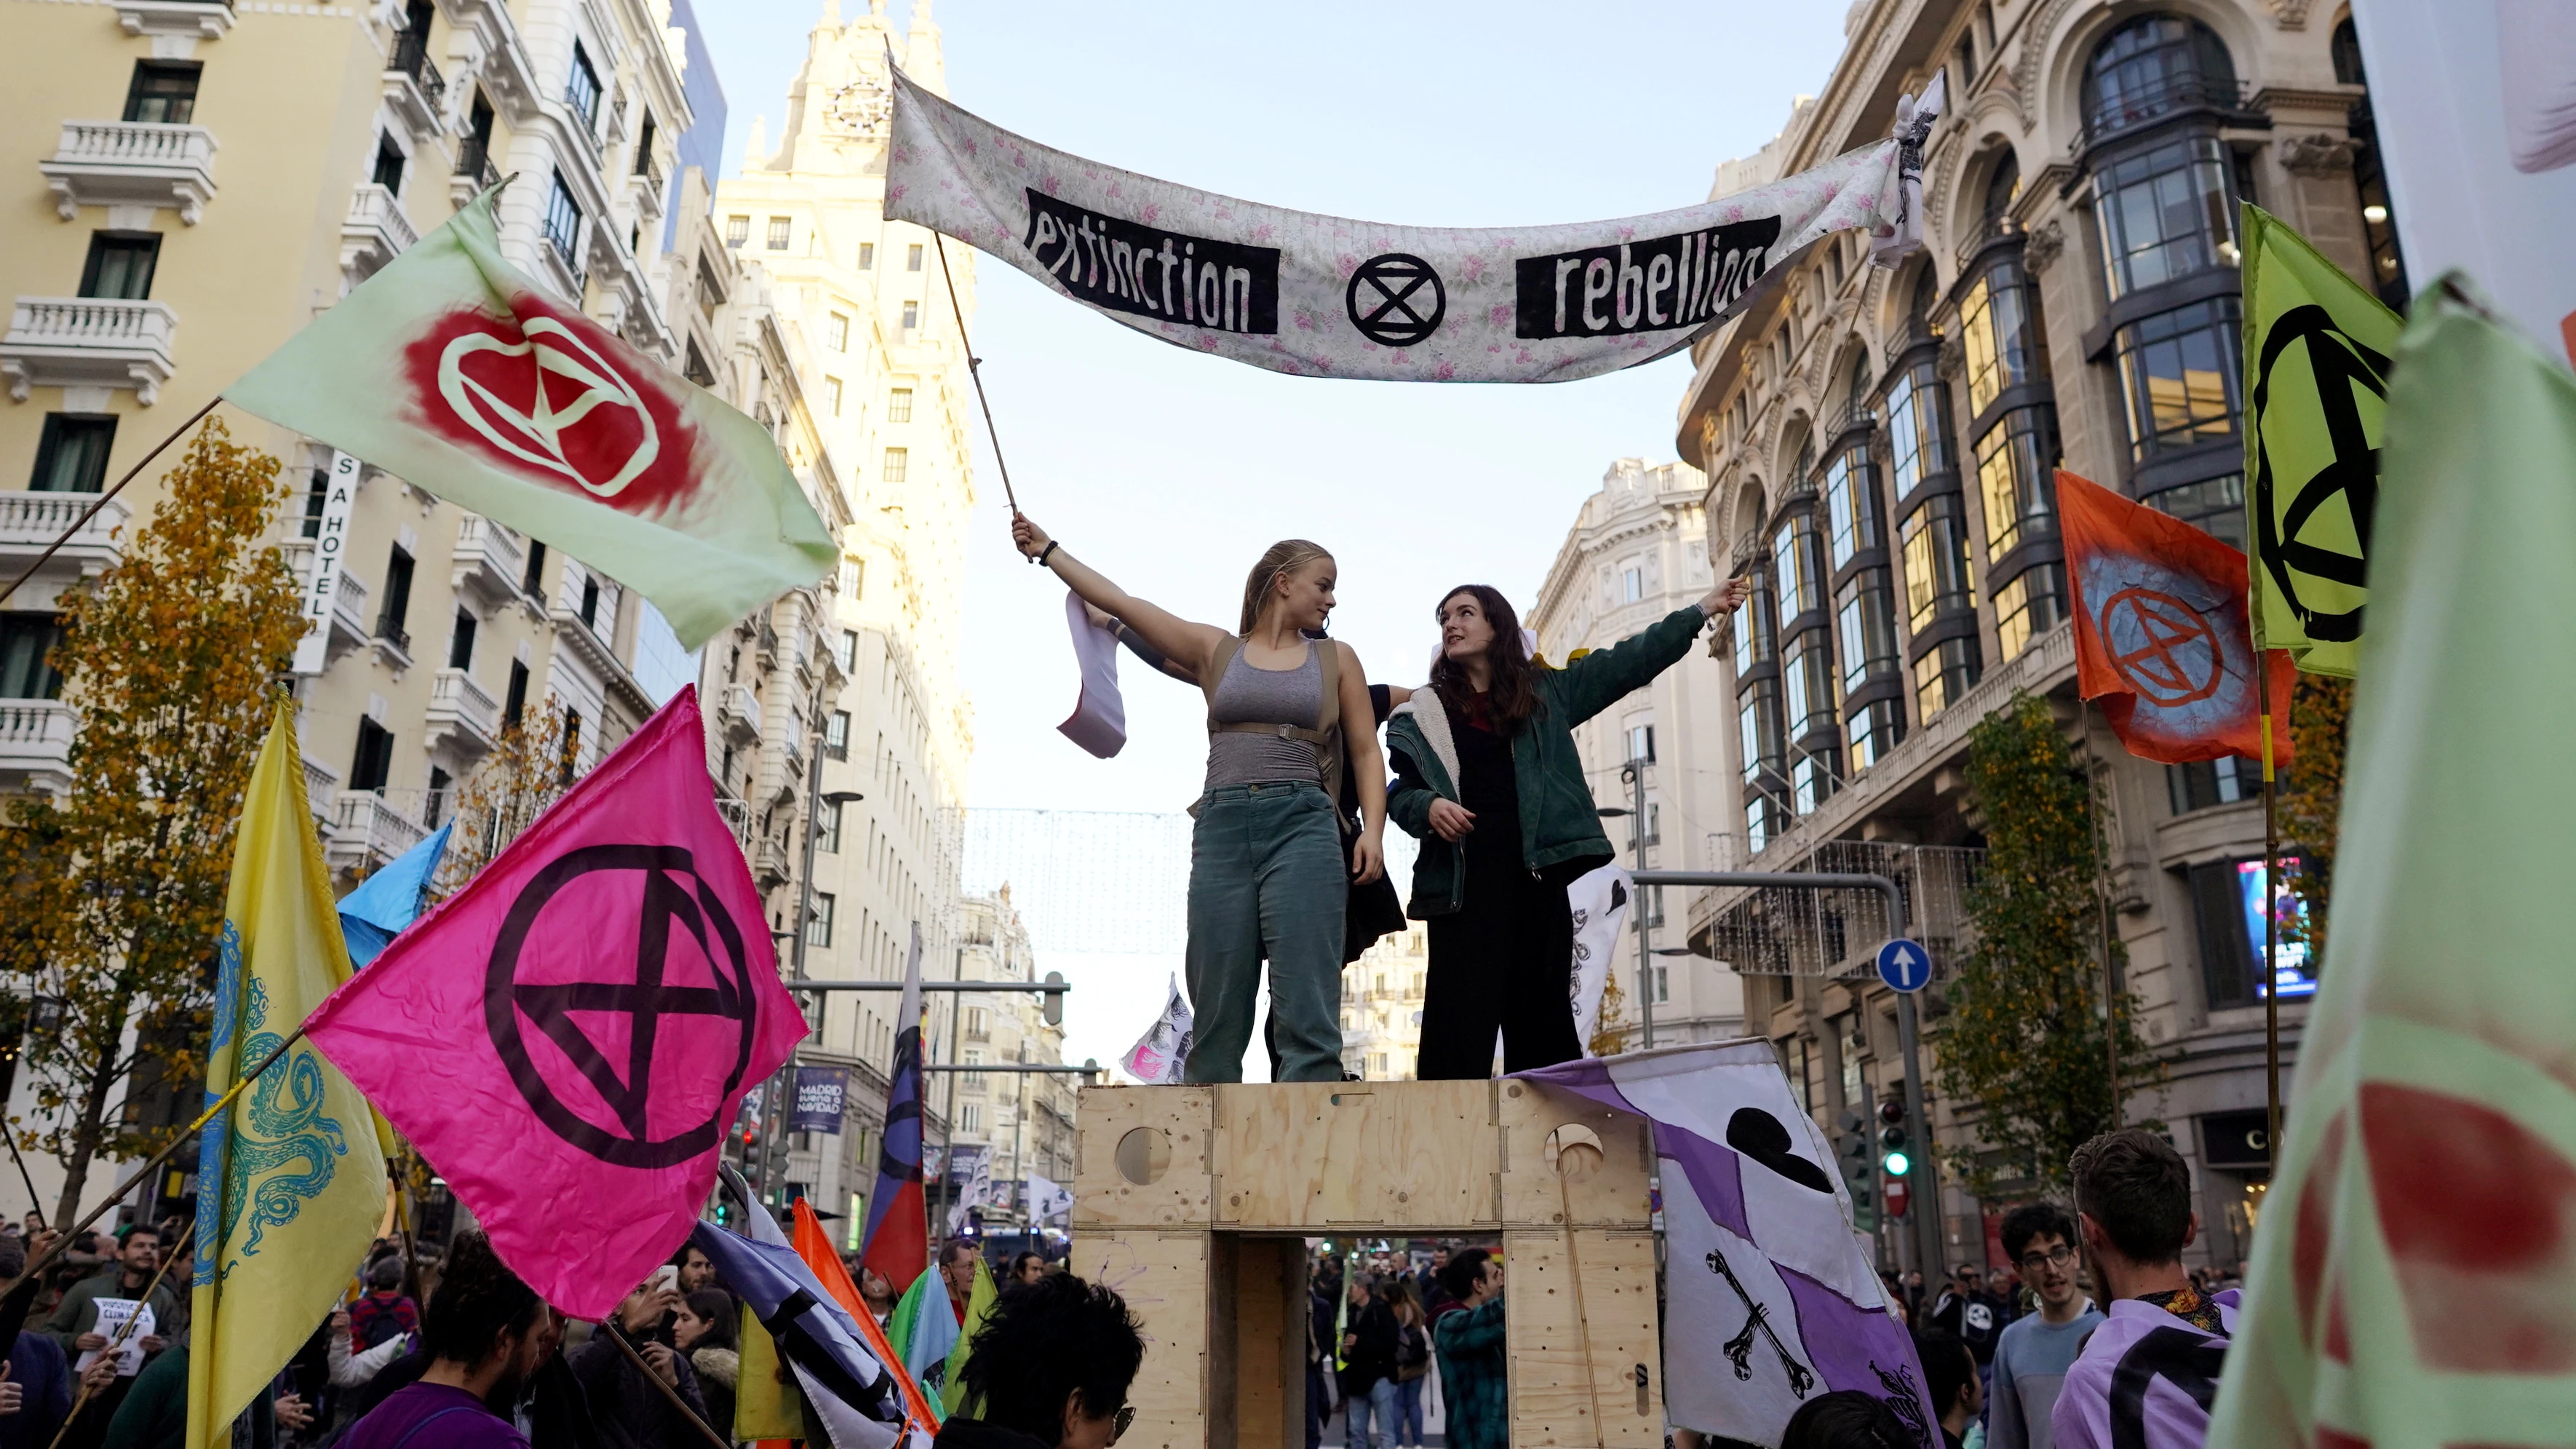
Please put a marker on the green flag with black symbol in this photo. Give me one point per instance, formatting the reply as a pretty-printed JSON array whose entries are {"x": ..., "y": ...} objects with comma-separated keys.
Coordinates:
[{"x": 2316, "y": 355}]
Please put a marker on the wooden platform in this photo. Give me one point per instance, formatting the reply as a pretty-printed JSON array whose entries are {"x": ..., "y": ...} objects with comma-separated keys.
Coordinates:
[{"x": 1196, "y": 1204}]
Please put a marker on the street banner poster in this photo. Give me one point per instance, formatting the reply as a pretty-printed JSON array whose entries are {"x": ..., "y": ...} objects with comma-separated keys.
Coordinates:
[
  {"x": 2161, "y": 637},
  {"x": 1772, "y": 1297},
  {"x": 1599, "y": 900},
  {"x": 2316, "y": 361},
  {"x": 822, "y": 1094},
  {"x": 1327, "y": 296},
  {"x": 1160, "y": 1057},
  {"x": 572, "y": 1031}
]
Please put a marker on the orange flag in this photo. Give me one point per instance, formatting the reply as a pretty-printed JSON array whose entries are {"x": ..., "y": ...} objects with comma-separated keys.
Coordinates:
[
  {"x": 2161, "y": 636},
  {"x": 815, "y": 1246}
]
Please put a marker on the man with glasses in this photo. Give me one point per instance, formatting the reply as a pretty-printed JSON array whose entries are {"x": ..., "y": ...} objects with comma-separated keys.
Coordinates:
[
  {"x": 2034, "y": 1351},
  {"x": 1050, "y": 1369}
]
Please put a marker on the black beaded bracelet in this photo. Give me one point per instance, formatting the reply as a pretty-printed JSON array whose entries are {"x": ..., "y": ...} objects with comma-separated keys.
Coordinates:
[{"x": 1046, "y": 552}]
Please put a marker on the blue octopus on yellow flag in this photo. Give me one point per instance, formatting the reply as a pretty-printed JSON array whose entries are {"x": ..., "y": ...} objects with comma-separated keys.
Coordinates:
[{"x": 281, "y": 1125}]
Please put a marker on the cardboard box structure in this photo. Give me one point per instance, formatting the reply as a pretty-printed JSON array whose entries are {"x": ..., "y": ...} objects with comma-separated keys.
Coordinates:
[{"x": 1195, "y": 1203}]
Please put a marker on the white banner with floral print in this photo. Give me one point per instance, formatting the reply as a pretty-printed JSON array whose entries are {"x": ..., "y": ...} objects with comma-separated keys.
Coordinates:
[{"x": 1325, "y": 296}]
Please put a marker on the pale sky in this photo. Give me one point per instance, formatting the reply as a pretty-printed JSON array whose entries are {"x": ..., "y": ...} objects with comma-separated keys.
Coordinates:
[{"x": 1171, "y": 471}]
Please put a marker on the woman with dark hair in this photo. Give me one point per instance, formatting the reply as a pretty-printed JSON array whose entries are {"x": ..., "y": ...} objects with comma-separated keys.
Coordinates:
[
  {"x": 1267, "y": 876},
  {"x": 703, "y": 1327},
  {"x": 1050, "y": 1367},
  {"x": 1487, "y": 777},
  {"x": 486, "y": 1334}
]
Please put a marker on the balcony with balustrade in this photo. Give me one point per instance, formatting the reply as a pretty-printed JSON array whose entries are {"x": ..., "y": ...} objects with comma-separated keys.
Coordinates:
[
  {"x": 463, "y": 716},
  {"x": 36, "y": 746},
  {"x": 88, "y": 342},
  {"x": 30, "y": 522},
  {"x": 372, "y": 827},
  {"x": 131, "y": 163},
  {"x": 374, "y": 233},
  {"x": 740, "y": 709},
  {"x": 488, "y": 564}
]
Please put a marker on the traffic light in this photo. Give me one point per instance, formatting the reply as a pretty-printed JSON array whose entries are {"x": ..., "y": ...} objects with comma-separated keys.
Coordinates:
[
  {"x": 1892, "y": 1137},
  {"x": 1860, "y": 1171}
]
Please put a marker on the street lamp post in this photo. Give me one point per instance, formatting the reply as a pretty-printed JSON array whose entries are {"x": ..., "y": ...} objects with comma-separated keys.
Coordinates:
[{"x": 776, "y": 1117}]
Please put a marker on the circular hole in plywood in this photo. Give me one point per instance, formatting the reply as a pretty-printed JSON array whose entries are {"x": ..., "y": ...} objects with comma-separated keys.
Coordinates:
[
  {"x": 1574, "y": 1151},
  {"x": 1144, "y": 1155}
]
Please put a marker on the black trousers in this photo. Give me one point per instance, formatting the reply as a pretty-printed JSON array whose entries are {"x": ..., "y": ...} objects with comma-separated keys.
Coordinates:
[{"x": 1506, "y": 960}]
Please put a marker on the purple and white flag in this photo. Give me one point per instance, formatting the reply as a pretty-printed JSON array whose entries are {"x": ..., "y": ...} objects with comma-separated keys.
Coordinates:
[{"x": 1770, "y": 1296}]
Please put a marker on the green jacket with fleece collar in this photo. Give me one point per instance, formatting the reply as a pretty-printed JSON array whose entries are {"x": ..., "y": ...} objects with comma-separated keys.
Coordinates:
[{"x": 1558, "y": 820}]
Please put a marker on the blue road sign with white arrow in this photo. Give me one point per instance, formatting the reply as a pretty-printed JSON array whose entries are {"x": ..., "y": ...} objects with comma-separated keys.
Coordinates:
[{"x": 1904, "y": 965}]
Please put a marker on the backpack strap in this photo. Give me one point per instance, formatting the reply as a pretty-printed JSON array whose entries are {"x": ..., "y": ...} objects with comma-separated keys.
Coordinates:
[{"x": 1326, "y": 737}]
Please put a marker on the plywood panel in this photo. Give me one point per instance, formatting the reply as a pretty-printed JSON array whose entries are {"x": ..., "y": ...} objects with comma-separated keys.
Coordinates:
[
  {"x": 1324, "y": 1157},
  {"x": 1553, "y": 1399},
  {"x": 1268, "y": 1312},
  {"x": 1178, "y": 1196},
  {"x": 1164, "y": 1278},
  {"x": 1613, "y": 1195}
]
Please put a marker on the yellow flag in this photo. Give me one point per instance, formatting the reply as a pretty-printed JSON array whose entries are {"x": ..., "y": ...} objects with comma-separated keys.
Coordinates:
[
  {"x": 766, "y": 1401},
  {"x": 291, "y": 1176},
  {"x": 979, "y": 1306}
]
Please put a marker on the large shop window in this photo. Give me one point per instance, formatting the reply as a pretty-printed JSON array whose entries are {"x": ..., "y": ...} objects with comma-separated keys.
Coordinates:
[
  {"x": 1851, "y": 505},
  {"x": 1937, "y": 580},
  {"x": 1864, "y": 617},
  {"x": 1999, "y": 328},
  {"x": 2207, "y": 784},
  {"x": 2180, "y": 370},
  {"x": 2216, "y": 506},
  {"x": 2228, "y": 900},
  {"x": 1918, "y": 427},
  {"x": 1807, "y": 678},
  {"x": 2031, "y": 605},
  {"x": 1876, "y": 728},
  {"x": 2016, "y": 462},
  {"x": 1944, "y": 676},
  {"x": 2153, "y": 66},
  {"x": 1757, "y": 721},
  {"x": 1794, "y": 567},
  {"x": 2165, "y": 214}
]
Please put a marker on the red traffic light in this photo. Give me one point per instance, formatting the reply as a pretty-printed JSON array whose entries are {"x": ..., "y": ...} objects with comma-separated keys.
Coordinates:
[{"x": 1891, "y": 1111}]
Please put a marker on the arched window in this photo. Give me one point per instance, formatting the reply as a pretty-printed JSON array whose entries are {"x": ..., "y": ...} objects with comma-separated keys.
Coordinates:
[
  {"x": 2154, "y": 65},
  {"x": 2003, "y": 186},
  {"x": 1862, "y": 375},
  {"x": 1927, "y": 295}
]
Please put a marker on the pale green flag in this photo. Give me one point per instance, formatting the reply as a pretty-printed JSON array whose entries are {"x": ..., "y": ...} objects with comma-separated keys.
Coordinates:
[
  {"x": 2316, "y": 374},
  {"x": 452, "y": 371},
  {"x": 2414, "y": 1272}
]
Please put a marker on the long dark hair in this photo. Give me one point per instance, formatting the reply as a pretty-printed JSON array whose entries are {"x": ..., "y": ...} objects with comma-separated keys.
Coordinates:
[
  {"x": 478, "y": 1301},
  {"x": 1514, "y": 696}
]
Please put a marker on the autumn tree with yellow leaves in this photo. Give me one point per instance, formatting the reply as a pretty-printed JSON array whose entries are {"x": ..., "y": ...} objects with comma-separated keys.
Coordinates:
[{"x": 117, "y": 890}]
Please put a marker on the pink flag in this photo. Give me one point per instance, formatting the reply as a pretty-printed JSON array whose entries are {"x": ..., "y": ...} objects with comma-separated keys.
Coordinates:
[{"x": 566, "y": 1038}]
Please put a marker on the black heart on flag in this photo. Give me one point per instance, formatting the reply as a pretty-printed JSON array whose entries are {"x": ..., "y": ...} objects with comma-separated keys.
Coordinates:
[{"x": 1760, "y": 1136}]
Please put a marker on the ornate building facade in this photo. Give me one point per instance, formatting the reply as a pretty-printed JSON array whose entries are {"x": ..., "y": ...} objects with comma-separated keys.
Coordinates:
[{"x": 1879, "y": 447}]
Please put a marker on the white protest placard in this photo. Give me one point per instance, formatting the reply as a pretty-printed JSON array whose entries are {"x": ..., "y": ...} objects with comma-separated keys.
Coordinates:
[{"x": 113, "y": 1316}]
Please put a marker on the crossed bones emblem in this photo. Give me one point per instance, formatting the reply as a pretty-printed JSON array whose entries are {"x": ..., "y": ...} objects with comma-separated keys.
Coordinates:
[{"x": 1739, "y": 1349}]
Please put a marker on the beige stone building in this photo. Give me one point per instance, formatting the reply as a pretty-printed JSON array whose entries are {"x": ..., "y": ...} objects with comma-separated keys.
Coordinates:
[
  {"x": 1382, "y": 995},
  {"x": 1638, "y": 550},
  {"x": 881, "y": 370},
  {"x": 1879, "y": 447}
]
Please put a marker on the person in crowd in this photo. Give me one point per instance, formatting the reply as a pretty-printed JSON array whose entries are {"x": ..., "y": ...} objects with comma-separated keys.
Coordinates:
[
  {"x": 1427, "y": 1282},
  {"x": 1473, "y": 1382},
  {"x": 1969, "y": 1313},
  {"x": 1050, "y": 1366},
  {"x": 877, "y": 1292},
  {"x": 1027, "y": 1267},
  {"x": 36, "y": 1392},
  {"x": 138, "y": 1259},
  {"x": 1950, "y": 1381},
  {"x": 628, "y": 1412},
  {"x": 957, "y": 1259},
  {"x": 154, "y": 1415},
  {"x": 1267, "y": 874},
  {"x": 1487, "y": 777},
  {"x": 486, "y": 1335},
  {"x": 2133, "y": 1207},
  {"x": 1320, "y": 1290},
  {"x": 2034, "y": 1351},
  {"x": 351, "y": 1367},
  {"x": 1412, "y": 1360},
  {"x": 1847, "y": 1419},
  {"x": 386, "y": 1312},
  {"x": 697, "y": 1271},
  {"x": 1368, "y": 1368},
  {"x": 705, "y": 1329}
]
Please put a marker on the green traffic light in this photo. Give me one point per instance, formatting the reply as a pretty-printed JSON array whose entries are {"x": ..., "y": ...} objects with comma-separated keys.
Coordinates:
[{"x": 1897, "y": 1164}]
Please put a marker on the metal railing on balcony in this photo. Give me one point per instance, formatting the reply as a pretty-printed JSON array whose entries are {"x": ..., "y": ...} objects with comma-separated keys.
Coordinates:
[
  {"x": 2129, "y": 110},
  {"x": 474, "y": 160},
  {"x": 1985, "y": 233},
  {"x": 411, "y": 58}
]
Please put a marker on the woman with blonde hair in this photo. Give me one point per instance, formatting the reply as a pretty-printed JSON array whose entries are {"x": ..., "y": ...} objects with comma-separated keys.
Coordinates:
[{"x": 1266, "y": 862}]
